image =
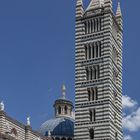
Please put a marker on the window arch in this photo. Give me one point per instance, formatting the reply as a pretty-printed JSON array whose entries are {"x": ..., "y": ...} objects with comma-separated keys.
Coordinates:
[
  {"x": 93, "y": 50},
  {"x": 116, "y": 135},
  {"x": 91, "y": 133},
  {"x": 92, "y": 94},
  {"x": 66, "y": 109},
  {"x": 59, "y": 110},
  {"x": 88, "y": 26},
  {"x": 92, "y": 115},
  {"x": 115, "y": 55},
  {"x": 115, "y": 76},
  {"x": 92, "y": 73}
]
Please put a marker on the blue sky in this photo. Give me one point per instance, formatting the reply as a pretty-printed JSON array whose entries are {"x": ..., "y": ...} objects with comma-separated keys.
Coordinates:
[{"x": 37, "y": 55}]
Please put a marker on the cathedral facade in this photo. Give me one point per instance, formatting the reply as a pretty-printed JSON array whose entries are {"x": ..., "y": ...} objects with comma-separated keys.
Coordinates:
[
  {"x": 98, "y": 83},
  {"x": 98, "y": 71}
]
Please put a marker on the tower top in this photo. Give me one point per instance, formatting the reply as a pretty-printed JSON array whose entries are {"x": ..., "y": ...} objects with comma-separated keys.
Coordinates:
[
  {"x": 95, "y": 4},
  {"x": 119, "y": 12}
]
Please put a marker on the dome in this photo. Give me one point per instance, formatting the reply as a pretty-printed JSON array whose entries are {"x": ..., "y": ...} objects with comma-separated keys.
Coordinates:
[
  {"x": 62, "y": 126},
  {"x": 58, "y": 127}
]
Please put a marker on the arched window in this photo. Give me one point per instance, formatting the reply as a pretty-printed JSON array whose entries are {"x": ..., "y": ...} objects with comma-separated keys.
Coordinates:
[
  {"x": 95, "y": 73},
  {"x": 92, "y": 94},
  {"x": 115, "y": 95},
  {"x": 59, "y": 110},
  {"x": 91, "y": 134},
  {"x": 93, "y": 50},
  {"x": 100, "y": 24},
  {"x": 97, "y": 50},
  {"x": 97, "y": 24},
  {"x": 115, "y": 76},
  {"x": 115, "y": 55},
  {"x": 89, "y": 51},
  {"x": 89, "y": 95},
  {"x": 91, "y": 26},
  {"x": 116, "y": 136},
  {"x": 86, "y": 55},
  {"x": 92, "y": 115},
  {"x": 66, "y": 110},
  {"x": 87, "y": 74},
  {"x": 94, "y": 25},
  {"x": 85, "y": 27}
]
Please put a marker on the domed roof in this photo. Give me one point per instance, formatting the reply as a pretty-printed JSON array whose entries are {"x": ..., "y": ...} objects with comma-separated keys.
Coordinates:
[{"x": 58, "y": 127}]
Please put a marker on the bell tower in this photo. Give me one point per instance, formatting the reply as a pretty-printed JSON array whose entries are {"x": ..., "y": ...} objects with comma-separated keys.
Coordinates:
[{"x": 98, "y": 71}]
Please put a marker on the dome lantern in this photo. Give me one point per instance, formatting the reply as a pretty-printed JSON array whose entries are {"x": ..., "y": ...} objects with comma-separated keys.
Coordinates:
[{"x": 63, "y": 107}]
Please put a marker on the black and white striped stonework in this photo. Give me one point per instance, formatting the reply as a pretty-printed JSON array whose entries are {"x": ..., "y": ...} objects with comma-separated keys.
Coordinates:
[{"x": 98, "y": 72}]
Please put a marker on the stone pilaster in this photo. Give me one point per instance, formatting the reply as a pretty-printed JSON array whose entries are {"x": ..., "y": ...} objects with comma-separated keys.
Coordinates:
[
  {"x": 2, "y": 121},
  {"x": 28, "y": 130}
]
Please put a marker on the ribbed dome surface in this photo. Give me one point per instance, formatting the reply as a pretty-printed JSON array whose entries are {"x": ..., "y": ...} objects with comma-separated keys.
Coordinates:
[{"x": 58, "y": 127}]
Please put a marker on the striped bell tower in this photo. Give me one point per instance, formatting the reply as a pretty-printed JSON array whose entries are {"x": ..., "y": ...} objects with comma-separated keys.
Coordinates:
[{"x": 98, "y": 71}]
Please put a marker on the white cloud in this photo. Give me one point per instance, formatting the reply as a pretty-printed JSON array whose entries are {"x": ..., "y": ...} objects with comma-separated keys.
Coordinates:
[
  {"x": 128, "y": 137},
  {"x": 131, "y": 122},
  {"x": 127, "y": 102}
]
